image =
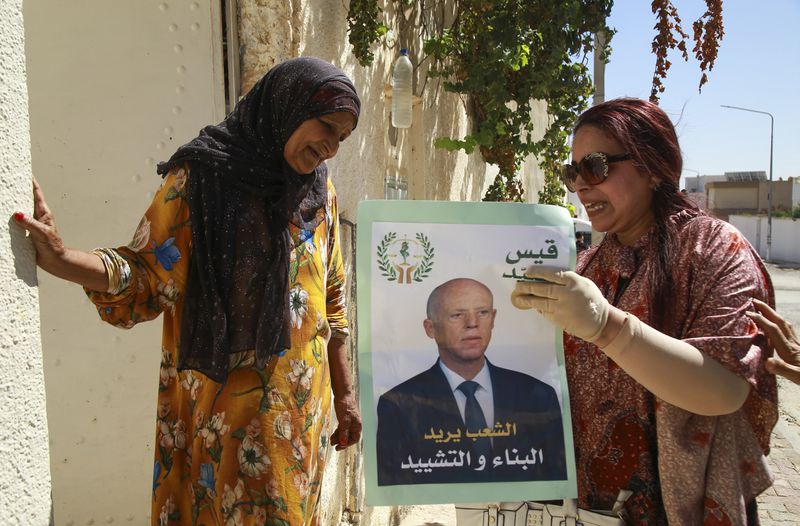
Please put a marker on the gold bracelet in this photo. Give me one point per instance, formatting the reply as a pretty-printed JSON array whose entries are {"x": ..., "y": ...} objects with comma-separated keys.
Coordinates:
[{"x": 117, "y": 268}]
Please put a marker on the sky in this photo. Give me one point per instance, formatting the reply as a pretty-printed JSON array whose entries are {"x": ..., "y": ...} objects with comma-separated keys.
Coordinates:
[{"x": 757, "y": 67}]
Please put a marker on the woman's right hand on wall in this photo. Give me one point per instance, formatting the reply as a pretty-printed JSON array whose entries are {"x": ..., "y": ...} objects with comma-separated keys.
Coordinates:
[
  {"x": 43, "y": 232},
  {"x": 51, "y": 253},
  {"x": 783, "y": 339}
]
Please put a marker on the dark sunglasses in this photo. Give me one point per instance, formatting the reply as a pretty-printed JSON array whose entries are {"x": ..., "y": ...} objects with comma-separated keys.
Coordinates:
[{"x": 593, "y": 168}]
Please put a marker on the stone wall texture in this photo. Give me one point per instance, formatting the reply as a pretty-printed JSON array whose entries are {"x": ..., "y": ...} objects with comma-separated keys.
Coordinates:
[{"x": 24, "y": 458}]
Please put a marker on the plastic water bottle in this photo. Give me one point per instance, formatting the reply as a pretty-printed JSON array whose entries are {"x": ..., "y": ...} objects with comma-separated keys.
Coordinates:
[
  {"x": 401, "y": 91},
  {"x": 390, "y": 187},
  {"x": 395, "y": 187}
]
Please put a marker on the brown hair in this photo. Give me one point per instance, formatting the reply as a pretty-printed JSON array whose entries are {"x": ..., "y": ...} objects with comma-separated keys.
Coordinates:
[{"x": 647, "y": 134}]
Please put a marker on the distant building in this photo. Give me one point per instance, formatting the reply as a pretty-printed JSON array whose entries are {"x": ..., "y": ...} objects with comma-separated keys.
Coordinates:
[
  {"x": 748, "y": 193},
  {"x": 697, "y": 184}
]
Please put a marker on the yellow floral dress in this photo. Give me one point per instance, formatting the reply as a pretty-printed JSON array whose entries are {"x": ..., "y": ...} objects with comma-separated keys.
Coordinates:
[{"x": 249, "y": 451}]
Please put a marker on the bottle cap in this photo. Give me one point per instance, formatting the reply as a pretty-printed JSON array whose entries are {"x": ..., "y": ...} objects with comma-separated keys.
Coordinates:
[{"x": 404, "y": 51}]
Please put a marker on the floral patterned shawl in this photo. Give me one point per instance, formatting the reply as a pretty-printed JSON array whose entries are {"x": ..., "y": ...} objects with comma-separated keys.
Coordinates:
[{"x": 682, "y": 468}]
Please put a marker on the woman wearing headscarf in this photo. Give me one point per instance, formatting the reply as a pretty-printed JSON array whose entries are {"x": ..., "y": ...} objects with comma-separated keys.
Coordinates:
[
  {"x": 669, "y": 397},
  {"x": 239, "y": 251}
]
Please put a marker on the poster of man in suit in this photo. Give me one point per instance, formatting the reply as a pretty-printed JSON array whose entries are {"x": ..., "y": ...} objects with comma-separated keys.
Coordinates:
[
  {"x": 446, "y": 409},
  {"x": 463, "y": 396}
]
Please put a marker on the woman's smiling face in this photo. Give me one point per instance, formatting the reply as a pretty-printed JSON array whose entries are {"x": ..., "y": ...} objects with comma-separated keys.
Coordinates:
[
  {"x": 316, "y": 140},
  {"x": 622, "y": 204}
]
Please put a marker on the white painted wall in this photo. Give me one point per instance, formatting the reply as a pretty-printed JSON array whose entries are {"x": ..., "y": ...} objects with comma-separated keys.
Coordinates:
[
  {"x": 750, "y": 227},
  {"x": 795, "y": 192},
  {"x": 114, "y": 88},
  {"x": 785, "y": 236},
  {"x": 785, "y": 240},
  {"x": 24, "y": 459}
]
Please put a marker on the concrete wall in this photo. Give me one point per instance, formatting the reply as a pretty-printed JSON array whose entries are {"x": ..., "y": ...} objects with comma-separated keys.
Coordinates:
[
  {"x": 731, "y": 197},
  {"x": 24, "y": 458},
  {"x": 785, "y": 236},
  {"x": 784, "y": 197}
]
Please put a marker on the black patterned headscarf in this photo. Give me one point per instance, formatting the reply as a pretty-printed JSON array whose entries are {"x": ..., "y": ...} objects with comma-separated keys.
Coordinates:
[{"x": 242, "y": 196}]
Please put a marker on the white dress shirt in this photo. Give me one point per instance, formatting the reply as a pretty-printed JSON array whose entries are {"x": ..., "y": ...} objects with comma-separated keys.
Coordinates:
[{"x": 483, "y": 394}]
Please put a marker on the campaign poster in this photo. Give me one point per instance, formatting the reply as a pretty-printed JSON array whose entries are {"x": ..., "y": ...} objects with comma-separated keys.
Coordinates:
[{"x": 463, "y": 396}]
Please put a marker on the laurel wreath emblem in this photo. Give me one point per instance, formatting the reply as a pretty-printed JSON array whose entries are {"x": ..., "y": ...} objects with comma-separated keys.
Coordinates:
[
  {"x": 385, "y": 266},
  {"x": 426, "y": 264},
  {"x": 388, "y": 270}
]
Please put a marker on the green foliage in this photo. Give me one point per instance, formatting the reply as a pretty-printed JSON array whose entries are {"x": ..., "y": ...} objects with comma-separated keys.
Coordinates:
[
  {"x": 505, "y": 55},
  {"x": 782, "y": 212},
  {"x": 451, "y": 145},
  {"x": 363, "y": 18}
]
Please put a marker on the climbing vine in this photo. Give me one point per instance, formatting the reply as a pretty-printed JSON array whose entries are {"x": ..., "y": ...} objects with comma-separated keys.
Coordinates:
[
  {"x": 503, "y": 55},
  {"x": 365, "y": 28}
]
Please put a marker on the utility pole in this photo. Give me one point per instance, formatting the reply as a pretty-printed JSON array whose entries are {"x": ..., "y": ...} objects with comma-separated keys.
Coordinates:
[{"x": 770, "y": 192}]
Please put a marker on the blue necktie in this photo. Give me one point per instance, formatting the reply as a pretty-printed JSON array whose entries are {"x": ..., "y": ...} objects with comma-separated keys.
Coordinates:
[{"x": 473, "y": 417}]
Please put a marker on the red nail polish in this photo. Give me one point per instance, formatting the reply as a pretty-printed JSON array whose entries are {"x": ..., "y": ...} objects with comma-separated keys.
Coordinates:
[{"x": 19, "y": 216}]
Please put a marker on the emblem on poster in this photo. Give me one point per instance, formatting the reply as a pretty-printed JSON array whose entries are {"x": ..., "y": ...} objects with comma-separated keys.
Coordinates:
[{"x": 405, "y": 260}]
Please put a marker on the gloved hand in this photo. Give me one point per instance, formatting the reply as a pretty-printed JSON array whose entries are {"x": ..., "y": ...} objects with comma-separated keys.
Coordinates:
[
  {"x": 575, "y": 303},
  {"x": 565, "y": 299}
]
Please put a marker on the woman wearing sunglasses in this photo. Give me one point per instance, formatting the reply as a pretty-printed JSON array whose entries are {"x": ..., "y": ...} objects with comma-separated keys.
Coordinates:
[{"x": 669, "y": 396}]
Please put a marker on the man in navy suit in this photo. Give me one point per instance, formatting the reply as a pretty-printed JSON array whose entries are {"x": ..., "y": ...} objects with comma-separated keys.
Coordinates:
[{"x": 465, "y": 419}]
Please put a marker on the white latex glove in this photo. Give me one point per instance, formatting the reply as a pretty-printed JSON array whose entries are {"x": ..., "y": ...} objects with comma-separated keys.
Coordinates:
[{"x": 565, "y": 299}]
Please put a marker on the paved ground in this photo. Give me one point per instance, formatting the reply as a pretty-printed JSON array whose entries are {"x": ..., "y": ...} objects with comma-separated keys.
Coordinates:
[{"x": 780, "y": 504}]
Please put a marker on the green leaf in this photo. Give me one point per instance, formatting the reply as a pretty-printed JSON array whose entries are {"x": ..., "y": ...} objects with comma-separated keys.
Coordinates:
[{"x": 447, "y": 143}]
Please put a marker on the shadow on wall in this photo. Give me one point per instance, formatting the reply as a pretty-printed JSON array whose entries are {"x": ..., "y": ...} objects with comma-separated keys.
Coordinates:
[{"x": 24, "y": 255}]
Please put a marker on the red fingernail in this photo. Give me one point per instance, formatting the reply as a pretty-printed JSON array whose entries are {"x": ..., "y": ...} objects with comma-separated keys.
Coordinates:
[{"x": 19, "y": 216}]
